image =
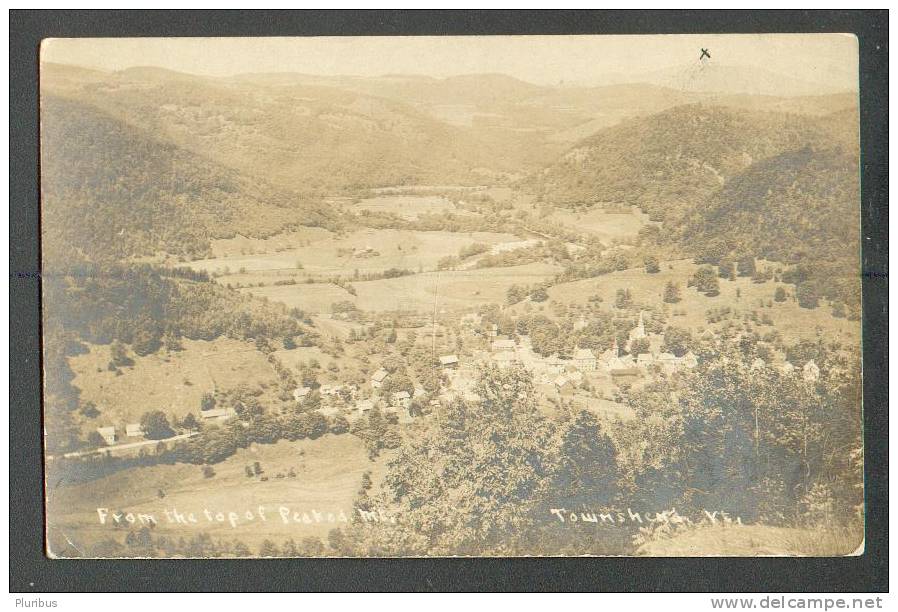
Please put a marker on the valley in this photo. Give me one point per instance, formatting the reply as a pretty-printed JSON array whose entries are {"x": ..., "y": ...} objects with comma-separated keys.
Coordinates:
[{"x": 437, "y": 298}]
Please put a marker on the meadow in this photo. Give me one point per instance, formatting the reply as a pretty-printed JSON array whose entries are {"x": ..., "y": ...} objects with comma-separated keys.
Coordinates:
[
  {"x": 793, "y": 322},
  {"x": 341, "y": 255},
  {"x": 173, "y": 382},
  {"x": 321, "y": 484}
]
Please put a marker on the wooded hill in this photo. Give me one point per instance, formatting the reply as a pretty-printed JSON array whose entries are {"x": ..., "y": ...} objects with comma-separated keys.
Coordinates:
[
  {"x": 728, "y": 183},
  {"x": 111, "y": 190}
]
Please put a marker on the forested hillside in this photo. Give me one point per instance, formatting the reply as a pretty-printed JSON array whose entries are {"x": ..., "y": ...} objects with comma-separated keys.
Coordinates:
[
  {"x": 111, "y": 190},
  {"x": 669, "y": 162}
]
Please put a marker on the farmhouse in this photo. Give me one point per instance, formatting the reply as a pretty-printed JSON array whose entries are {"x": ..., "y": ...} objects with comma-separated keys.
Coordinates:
[
  {"x": 364, "y": 406},
  {"x": 503, "y": 345},
  {"x": 219, "y": 414},
  {"x": 689, "y": 360},
  {"x": 644, "y": 360},
  {"x": 449, "y": 361},
  {"x": 133, "y": 430},
  {"x": 553, "y": 365},
  {"x": 300, "y": 393},
  {"x": 328, "y": 411},
  {"x": 585, "y": 360},
  {"x": 810, "y": 372},
  {"x": 330, "y": 389},
  {"x": 108, "y": 434},
  {"x": 505, "y": 359},
  {"x": 419, "y": 392},
  {"x": 400, "y": 399},
  {"x": 492, "y": 330},
  {"x": 377, "y": 380}
]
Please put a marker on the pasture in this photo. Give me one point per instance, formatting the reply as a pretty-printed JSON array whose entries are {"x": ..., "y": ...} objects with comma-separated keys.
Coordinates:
[
  {"x": 448, "y": 290},
  {"x": 328, "y": 476},
  {"x": 606, "y": 226},
  {"x": 407, "y": 206},
  {"x": 792, "y": 321},
  {"x": 344, "y": 255},
  {"x": 172, "y": 382}
]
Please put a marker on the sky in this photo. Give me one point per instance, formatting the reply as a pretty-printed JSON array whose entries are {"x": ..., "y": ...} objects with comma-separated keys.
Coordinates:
[{"x": 544, "y": 60}]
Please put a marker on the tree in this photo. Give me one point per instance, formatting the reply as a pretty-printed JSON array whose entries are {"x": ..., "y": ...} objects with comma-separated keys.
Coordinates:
[
  {"x": 726, "y": 269},
  {"x": 289, "y": 343},
  {"x": 190, "y": 422},
  {"x": 623, "y": 299},
  {"x": 705, "y": 281},
  {"x": 339, "y": 425},
  {"x": 780, "y": 294},
  {"x": 119, "y": 355},
  {"x": 651, "y": 264},
  {"x": 677, "y": 341},
  {"x": 671, "y": 293},
  {"x": 146, "y": 341},
  {"x": 639, "y": 346},
  {"x": 207, "y": 402},
  {"x": 806, "y": 294},
  {"x": 587, "y": 473},
  {"x": 746, "y": 266},
  {"x": 539, "y": 295},
  {"x": 155, "y": 425},
  {"x": 89, "y": 410},
  {"x": 473, "y": 482},
  {"x": 94, "y": 439},
  {"x": 208, "y": 471},
  {"x": 289, "y": 549},
  {"x": 515, "y": 294},
  {"x": 269, "y": 549}
]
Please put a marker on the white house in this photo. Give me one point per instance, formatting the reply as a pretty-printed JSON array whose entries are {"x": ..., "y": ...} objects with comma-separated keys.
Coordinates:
[
  {"x": 585, "y": 360},
  {"x": 503, "y": 345},
  {"x": 419, "y": 392},
  {"x": 689, "y": 360},
  {"x": 330, "y": 389},
  {"x": 505, "y": 359},
  {"x": 300, "y": 393},
  {"x": 449, "y": 361},
  {"x": 378, "y": 378},
  {"x": 810, "y": 372},
  {"x": 553, "y": 365},
  {"x": 108, "y": 434},
  {"x": 133, "y": 430},
  {"x": 364, "y": 406},
  {"x": 328, "y": 411},
  {"x": 400, "y": 398},
  {"x": 644, "y": 360},
  {"x": 220, "y": 414}
]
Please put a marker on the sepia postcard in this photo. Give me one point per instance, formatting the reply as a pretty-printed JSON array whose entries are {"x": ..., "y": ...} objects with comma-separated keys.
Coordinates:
[{"x": 452, "y": 296}]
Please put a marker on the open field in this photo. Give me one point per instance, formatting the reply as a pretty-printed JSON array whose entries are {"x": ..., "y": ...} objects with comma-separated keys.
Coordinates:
[
  {"x": 402, "y": 249},
  {"x": 408, "y": 207},
  {"x": 242, "y": 245},
  {"x": 321, "y": 483},
  {"x": 606, "y": 226},
  {"x": 788, "y": 318},
  {"x": 454, "y": 290},
  {"x": 171, "y": 382},
  {"x": 450, "y": 290}
]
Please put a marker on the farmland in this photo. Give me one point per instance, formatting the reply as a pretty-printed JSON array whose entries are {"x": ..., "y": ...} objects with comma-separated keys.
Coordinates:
[
  {"x": 320, "y": 484},
  {"x": 172, "y": 382}
]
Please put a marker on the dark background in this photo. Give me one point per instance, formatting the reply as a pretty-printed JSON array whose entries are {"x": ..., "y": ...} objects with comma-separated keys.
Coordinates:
[{"x": 31, "y": 571}]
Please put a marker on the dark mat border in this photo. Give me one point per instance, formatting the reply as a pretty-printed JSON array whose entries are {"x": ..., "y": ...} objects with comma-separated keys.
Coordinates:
[{"x": 31, "y": 571}]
